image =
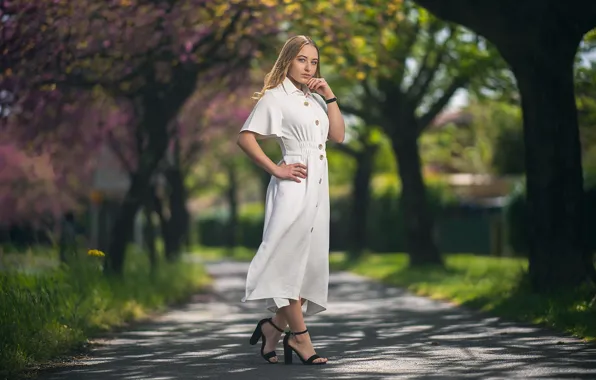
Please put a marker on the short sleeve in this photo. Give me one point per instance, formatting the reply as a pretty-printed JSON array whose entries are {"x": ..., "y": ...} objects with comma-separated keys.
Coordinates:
[{"x": 265, "y": 118}]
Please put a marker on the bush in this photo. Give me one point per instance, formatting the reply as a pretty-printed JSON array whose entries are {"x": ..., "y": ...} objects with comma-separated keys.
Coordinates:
[
  {"x": 517, "y": 220},
  {"x": 384, "y": 227},
  {"x": 49, "y": 312}
]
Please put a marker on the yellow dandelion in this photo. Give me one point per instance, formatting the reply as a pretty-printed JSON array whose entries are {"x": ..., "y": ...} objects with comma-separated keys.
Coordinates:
[{"x": 95, "y": 252}]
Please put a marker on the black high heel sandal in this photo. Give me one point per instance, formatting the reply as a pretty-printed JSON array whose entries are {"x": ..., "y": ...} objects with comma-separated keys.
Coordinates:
[
  {"x": 288, "y": 351},
  {"x": 258, "y": 334}
]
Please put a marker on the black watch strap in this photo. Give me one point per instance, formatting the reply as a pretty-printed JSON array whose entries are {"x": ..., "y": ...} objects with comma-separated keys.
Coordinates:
[{"x": 330, "y": 100}]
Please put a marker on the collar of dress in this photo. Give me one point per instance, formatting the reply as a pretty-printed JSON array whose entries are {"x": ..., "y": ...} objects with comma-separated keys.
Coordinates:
[{"x": 291, "y": 88}]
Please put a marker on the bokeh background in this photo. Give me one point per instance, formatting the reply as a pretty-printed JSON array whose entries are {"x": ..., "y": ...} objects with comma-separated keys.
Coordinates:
[{"x": 468, "y": 170}]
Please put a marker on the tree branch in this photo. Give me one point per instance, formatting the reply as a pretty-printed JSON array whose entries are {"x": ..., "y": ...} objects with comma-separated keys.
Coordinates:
[
  {"x": 428, "y": 71},
  {"x": 408, "y": 45},
  {"x": 438, "y": 106},
  {"x": 369, "y": 92},
  {"x": 346, "y": 149},
  {"x": 479, "y": 16},
  {"x": 506, "y": 21},
  {"x": 365, "y": 116}
]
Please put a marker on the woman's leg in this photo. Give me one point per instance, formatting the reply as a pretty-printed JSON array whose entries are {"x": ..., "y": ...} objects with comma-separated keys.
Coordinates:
[
  {"x": 302, "y": 342},
  {"x": 271, "y": 334}
]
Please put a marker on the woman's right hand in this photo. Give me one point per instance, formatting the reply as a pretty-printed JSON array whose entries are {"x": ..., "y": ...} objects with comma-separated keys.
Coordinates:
[{"x": 292, "y": 172}]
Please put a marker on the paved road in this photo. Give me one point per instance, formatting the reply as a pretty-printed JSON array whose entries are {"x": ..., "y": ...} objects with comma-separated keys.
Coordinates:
[{"x": 369, "y": 332}]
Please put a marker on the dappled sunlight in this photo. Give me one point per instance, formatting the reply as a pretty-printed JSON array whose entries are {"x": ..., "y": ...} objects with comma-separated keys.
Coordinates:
[{"x": 369, "y": 332}]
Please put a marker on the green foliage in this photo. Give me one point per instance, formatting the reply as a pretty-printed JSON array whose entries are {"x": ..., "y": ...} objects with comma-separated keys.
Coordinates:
[
  {"x": 585, "y": 90},
  {"x": 341, "y": 167},
  {"x": 385, "y": 218},
  {"x": 50, "y": 312},
  {"x": 213, "y": 228},
  {"x": 495, "y": 285},
  {"x": 490, "y": 143},
  {"x": 219, "y": 253},
  {"x": 517, "y": 220}
]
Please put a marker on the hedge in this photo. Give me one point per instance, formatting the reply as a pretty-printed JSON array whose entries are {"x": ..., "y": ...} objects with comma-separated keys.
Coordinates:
[
  {"x": 459, "y": 228},
  {"x": 517, "y": 219}
]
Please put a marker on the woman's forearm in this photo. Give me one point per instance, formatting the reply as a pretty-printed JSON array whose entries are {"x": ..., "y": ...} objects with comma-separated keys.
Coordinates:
[
  {"x": 337, "y": 127},
  {"x": 247, "y": 141}
]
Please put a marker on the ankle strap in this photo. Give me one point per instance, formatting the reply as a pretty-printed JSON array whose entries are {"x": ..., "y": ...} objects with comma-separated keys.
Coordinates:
[
  {"x": 300, "y": 333},
  {"x": 273, "y": 324}
]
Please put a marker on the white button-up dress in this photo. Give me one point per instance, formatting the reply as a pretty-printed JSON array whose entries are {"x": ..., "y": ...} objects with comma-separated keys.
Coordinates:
[{"x": 293, "y": 258}]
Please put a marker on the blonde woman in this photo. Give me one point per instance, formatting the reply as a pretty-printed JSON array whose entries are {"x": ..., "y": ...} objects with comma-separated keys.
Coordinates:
[{"x": 291, "y": 267}]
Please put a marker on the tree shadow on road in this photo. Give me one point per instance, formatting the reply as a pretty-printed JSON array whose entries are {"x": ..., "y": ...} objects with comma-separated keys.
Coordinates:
[{"x": 370, "y": 331}]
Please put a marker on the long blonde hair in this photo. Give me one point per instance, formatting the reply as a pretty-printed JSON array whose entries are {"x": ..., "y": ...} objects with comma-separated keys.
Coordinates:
[{"x": 280, "y": 69}]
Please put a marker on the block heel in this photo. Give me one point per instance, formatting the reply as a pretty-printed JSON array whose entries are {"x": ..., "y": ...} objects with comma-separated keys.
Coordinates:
[{"x": 288, "y": 351}]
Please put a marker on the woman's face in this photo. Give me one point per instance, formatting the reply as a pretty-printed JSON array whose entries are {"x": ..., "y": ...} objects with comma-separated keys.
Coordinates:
[{"x": 304, "y": 66}]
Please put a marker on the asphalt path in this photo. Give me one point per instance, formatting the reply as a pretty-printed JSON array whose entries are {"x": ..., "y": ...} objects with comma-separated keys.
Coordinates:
[{"x": 370, "y": 331}]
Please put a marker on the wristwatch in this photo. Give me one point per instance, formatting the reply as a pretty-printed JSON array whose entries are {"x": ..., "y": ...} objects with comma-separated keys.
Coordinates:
[{"x": 330, "y": 100}]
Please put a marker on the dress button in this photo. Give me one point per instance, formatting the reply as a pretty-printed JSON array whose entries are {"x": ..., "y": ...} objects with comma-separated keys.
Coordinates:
[
  {"x": 320, "y": 146},
  {"x": 312, "y": 229},
  {"x": 321, "y": 156},
  {"x": 320, "y": 180},
  {"x": 306, "y": 103},
  {"x": 316, "y": 122}
]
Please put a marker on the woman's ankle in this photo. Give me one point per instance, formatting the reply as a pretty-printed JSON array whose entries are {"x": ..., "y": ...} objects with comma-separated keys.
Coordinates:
[
  {"x": 279, "y": 322},
  {"x": 302, "y": 338}
]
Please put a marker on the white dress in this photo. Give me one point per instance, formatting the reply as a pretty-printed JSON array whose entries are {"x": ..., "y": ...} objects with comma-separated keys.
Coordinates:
[{"x": 293, "y": 259}]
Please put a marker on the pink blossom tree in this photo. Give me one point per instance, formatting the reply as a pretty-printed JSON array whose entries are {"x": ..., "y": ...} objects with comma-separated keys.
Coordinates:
[{"x": 149, "y": 54}]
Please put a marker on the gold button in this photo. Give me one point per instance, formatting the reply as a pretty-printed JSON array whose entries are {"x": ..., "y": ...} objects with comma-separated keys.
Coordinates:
[
  {"x": 321, "y": 156},
  {"x": 306, "y": 103},
  {"x": 316, "y": 122},
  {"x": 320, "y": 146}
]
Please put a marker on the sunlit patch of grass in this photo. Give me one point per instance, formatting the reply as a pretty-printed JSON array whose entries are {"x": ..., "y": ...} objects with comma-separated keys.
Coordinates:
[
  {"x": 45, "y": 313},
  {"x": 491, "y": 284},
  {"x": 219, "y": 253}
]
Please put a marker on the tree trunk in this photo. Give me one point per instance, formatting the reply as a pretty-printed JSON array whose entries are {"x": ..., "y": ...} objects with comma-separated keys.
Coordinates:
[
  {"x": 232, "y": 195},
  {"x": 149, "y": 234},
  {"x": 153, "y": 142},
  {"x": 540, "y": 49},
  {"x": 553, "y": 165},
  {"x": 361, "y": 200},
  {"x": 179, "y": 217},
  {"x": 418, "y": 220},
  {"x": 164, "y": 227},
  {"x": 123, "y": 226}
]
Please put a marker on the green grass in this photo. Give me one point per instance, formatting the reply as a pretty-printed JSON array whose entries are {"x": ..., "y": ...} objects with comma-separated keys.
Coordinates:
[
  {"x": 490, "y": 284},
  {"x": 50, "y": 312},
  {"x": 217, "y": 253}
]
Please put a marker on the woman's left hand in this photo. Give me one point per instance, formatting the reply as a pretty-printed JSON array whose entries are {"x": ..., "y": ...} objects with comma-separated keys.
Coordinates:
[{"x": 320, "y": 86}]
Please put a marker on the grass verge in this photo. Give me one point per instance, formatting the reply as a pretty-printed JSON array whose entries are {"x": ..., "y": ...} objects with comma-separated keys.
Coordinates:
[
  {"x": 217, "y": 253},
  {"x": 50, "y": 312},
  {"x": 490, "y": 284}
]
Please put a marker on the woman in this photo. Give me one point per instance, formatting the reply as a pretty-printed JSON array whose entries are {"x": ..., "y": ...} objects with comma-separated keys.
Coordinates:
[{"x": 291, "y": 267}]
